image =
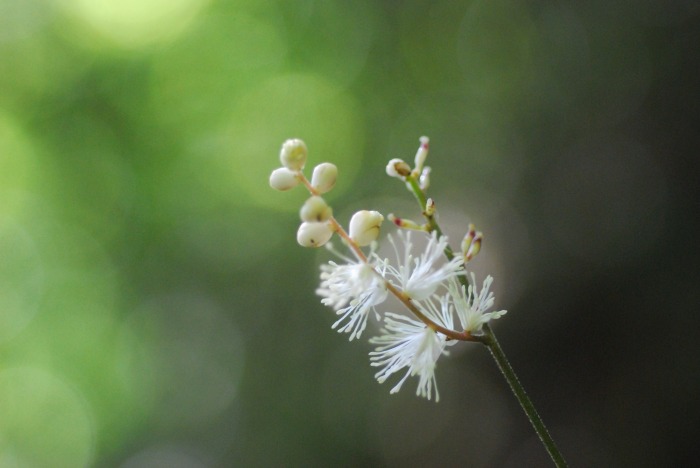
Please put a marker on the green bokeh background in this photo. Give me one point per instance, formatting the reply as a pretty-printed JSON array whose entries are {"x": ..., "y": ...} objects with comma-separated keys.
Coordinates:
[{"x": 155, "y": 309}]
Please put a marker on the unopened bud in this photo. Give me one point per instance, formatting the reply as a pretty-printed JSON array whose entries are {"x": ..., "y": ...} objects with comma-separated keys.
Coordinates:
[
  {"x": 398, "y": 168},
  {"x": 283, "y": 179},
  {"x": 468, "y": 239},
  {"x": 421, "y": 154},
  {"x": 324, "y": 176},
  {"x": 429, "y": 207},
  {"x": 406, "y": 223},
  {"x": 475, "y": 248},
  {"x": 312, "y": 234},
  {"x": 364, "y": 226},
  {"x": 424, "y": 180},
  {"x": 315, "y": 209},
  {"x": 293, "y": 154}
]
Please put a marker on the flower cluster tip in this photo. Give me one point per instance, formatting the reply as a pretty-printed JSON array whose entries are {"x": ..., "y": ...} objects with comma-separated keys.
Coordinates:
[{"x": 433, "y": 289}]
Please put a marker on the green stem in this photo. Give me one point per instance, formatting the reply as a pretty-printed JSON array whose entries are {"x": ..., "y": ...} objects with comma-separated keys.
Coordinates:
[
  {"x": 423, "y": 201},
  {"x": 519, "y": 391},
  {"x": 494, "y": 347}
]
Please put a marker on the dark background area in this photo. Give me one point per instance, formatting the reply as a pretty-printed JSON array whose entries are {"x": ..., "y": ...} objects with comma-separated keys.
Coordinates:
[{"x": 155, "y": 309}]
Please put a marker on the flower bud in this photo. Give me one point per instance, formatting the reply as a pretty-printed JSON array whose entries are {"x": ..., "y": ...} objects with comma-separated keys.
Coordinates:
[
  {"x": 283, "y": 179},
  {"x": 468, "y": 239},
  {"x": 364, "y": 226},
  {"x": 315, "y": 209},
  {"x": 323, "y": 178},
  {"x": 421, "y": 154},
  {"x": 398, "y": 168},
  {"x": 471, "y": 244},
  {"x": 406, "y": 223},
  {"x": 424, "y": 179},
  {"x": 474, "y": 249},
  {"x": 312, "y": 234},
  {"x": 430, "y": 207},
  {"x": 293, "y": 154}
]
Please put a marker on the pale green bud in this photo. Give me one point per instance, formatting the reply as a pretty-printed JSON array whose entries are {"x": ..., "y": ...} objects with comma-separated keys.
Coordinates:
[
  {"x": 293, "y": 154},
  {"x": 324, "y": 176},
  {"x": 315, "y": 209},
  {"x": 364, "y": 226},
  {"x": 283, "y": 179},
  {"x": 313, "y": 234}
]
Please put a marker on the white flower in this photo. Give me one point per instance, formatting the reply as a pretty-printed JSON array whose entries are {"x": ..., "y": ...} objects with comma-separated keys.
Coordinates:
[
  {"x": 408, "y": 343},
  {"x": 419, "y": 277},
  {"x": 352, "y": 290},
  {"x": 472, "y": 306}
]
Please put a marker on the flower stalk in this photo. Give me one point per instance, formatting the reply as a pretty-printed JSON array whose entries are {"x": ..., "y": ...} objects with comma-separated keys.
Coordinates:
[
  {"x": 519, "y": 391},
  {"x": 489, "y": 340},
  {"x": 445, "y": 302}
]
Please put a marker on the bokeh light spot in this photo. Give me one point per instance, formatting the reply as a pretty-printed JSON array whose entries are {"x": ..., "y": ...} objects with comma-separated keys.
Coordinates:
[
  {"x": 21, "y": 279},
  {"x": 196, "y": 80},
  {"x": 45, "y": 421},
  {"x": 135, "y": 23}
]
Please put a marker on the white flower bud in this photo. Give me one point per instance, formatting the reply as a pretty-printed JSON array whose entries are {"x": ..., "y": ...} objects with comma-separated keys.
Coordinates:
[
  {"x": 283, "y": 179},
  {"x": 314, "y": 234},
  {"x": 323, "y": 178},
  {"x": 293, "y": 154},
  {"x": 315, "y": 209},
  {"x": 424, "y": 180},
  {"x": 398, "y": 168},
  {"x": 364, "y": 226},
  {"x": 421, "y": 154}
]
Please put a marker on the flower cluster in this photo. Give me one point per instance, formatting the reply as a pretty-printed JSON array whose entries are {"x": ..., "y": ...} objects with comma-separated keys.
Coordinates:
[{"x": 444, "y": 302}]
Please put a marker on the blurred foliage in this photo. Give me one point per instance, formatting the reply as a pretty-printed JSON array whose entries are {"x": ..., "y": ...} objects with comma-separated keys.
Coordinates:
[{"x": 156, "y": 311}]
